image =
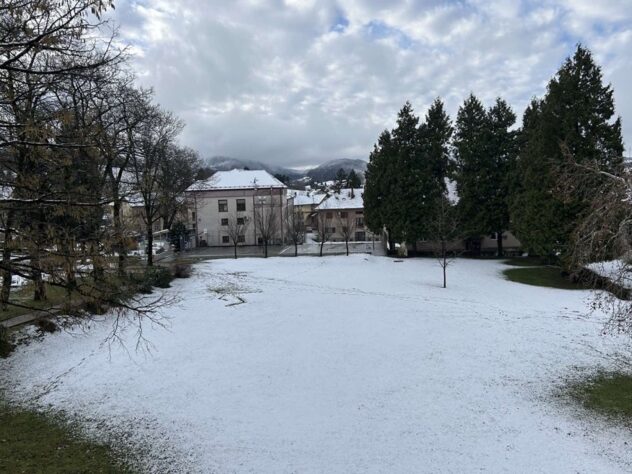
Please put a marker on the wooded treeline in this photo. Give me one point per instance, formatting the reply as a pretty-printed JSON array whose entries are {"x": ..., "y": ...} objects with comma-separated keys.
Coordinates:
[
  {"x": 77, "y": 141},
  {"x": 531, "y": 180}
]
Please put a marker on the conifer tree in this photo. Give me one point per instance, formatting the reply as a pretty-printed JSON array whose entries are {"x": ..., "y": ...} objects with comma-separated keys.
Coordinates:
[
  {"x": 485, "y": 149},
  {"x": 353, "y": 180},
  {"x": 575, "y": 117}
]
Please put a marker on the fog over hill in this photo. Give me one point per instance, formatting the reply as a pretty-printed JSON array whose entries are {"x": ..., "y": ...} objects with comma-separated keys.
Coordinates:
[{"x": 324, "y": 172}]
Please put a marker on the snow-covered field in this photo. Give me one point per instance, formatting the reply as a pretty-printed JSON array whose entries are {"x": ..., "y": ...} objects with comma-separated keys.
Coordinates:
[{"x": 342, "y": 364}]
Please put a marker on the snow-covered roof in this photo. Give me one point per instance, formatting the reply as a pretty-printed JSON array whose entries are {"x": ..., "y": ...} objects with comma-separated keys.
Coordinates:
[
  {"x": 308, "y": 200},
  {"x": 346, "y": 199},
  {"x": 237, "y": 179}
]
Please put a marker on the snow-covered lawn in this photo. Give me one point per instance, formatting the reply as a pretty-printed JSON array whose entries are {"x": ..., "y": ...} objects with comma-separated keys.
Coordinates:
[{"x": 342, "y": 364}]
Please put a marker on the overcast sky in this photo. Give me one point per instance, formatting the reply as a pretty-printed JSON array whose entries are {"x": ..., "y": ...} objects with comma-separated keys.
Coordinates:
[{"x": 299, "y": 82}]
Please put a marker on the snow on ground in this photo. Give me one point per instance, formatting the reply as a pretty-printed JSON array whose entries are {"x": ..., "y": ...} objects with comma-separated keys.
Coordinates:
[{"x": 342, "y": 364}]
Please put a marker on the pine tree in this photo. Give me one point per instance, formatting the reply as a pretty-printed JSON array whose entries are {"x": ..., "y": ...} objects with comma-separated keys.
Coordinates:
[
  {"x": 485, "y": 149},
  {"x": 433, "y": 167},
  {"x": 470, "y": 151},
  {"x": 379, "y": 181},
  {"x": 575, "y": 117},
  {"x": 341, "y": 180},
  {"x": 353, "y": 180},
  {"x": 404, "y": 211}
]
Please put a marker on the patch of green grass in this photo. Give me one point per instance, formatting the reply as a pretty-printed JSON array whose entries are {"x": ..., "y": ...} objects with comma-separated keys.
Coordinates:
[
  {"x": 55, "y": 296},
  {"x": 38, "y": 443},
  {"x": 523, "y": 261},
  {"x": 607, "y": 393},
  {"x": 550, "y": 277}
]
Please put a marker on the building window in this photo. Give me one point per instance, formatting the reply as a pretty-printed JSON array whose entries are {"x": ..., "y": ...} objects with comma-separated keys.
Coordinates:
[
  {"x": 241, "y": 205},
  {"x": 224, "y": 221},
  {"x": 193, "y": 215},
  {"x": 359, "y": 213},
  {"x": 330, "y": 230},
  {"x": 225, "y": 239},
  {"x": 329, "y": 215},
  {"x": 240, "y": 221},
  {"x": 360, "y": 236},
  {"x": 223, "y": 205},
  {"x": 343, "y": 215},
  {"x": 360, "y": 221},
  {"x": 241, "y": 238}
]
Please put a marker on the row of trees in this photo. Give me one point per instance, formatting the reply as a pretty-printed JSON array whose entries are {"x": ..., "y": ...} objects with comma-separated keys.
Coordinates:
[
  {"x": 505, "y": 178},
  {"x": 78, "y": 140}
]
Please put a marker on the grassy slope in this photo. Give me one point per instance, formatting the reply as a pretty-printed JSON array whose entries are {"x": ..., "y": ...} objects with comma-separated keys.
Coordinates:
[
  {"x": 610, "y": 394},
  {"x": 33, "y": 442}
]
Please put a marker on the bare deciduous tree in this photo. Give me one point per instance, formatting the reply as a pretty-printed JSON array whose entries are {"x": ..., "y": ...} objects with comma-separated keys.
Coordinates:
[
  {"x": 295, "y": 227},
  {"x": 237, "y": 226},
  {"x": 347, "y": 228},
  {"x": 266, "y": 220},
  {"x": 324, "y": 230},
  {"x": 443, "y": 229},
  {"x": 602, "y": 241}
]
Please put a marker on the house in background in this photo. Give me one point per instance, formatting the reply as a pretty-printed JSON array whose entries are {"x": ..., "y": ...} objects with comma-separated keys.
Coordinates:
[
  {"x": 237, "y": 199},
  {"x": 343, "y": 214},
  {"x": 306, "y": 202}
]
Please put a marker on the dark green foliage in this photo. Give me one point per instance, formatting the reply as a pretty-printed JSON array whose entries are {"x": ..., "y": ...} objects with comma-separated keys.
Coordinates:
[
  {"x": 285, "y": 179},
  {"x": 178, "y": 234},
  {"x": 574, "y": 119},
  {"x": 181, "y": 270},
  {"x": 380, "y": 181},
  {"x": 159, "y": 277},
  {"x": 485, "y": 149},
  {"x": 341, "y": 180},
  {"x": 353, "y": 180},
  {"x": 406, "y": 174},
  {"x": 152, "y": 277},
  {"x": 6, "y": 346},
  {"x": 47, "y": 325}
]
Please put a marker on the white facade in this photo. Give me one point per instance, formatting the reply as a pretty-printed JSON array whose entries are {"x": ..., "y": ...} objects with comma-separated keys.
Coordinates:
[{"x": 251, "y": 202}]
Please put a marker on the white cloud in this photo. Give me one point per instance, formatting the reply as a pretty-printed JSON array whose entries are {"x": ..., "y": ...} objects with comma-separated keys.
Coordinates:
[{"x": 298, "y": 82}]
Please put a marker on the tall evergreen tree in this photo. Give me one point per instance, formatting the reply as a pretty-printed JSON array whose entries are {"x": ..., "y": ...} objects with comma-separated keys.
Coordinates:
[
  {"x": 485, "y": 149},
  {"x": 404, "y": 211},
  {"x": 575, "y": 117},
  {"x": 406, "y": 173},
  {"x": 353, "y": 180},
  {"x": 470, "y": 152},
  {"x": 379, "y": 181},
  {"x": 434, "y": 165}
]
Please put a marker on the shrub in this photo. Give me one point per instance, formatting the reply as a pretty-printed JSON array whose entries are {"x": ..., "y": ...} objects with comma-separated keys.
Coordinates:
[
  {"x": 160, "y": 277},
  {"x": 5, "y": 342},
  {"x": 46, "y": 325},
  {"x": 182, "y": 270}
]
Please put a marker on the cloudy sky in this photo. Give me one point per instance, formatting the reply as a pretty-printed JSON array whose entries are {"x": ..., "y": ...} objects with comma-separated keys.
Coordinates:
[{"x": 298, "y": 82}]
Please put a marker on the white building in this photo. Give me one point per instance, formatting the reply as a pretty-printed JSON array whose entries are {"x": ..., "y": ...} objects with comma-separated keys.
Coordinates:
[
  {"x": 343, "y": 215},
  {"x": 249, "y": 201}
]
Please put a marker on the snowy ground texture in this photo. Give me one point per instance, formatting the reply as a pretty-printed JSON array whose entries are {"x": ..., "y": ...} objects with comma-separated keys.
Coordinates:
[{"x": 342, "y": 364}]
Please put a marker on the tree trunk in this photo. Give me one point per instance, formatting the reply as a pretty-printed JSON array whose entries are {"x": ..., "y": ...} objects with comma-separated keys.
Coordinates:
[
  {"x": 150, "y": 246},
  {"x": 39, "y": 293},
  {"x": 296, "y": 249},
  {"x": 265, "y": 248},
  {"x": 499, "y": 243},
  {"x": 347, "y": 245},
  {"x": 235, "y": 248},
  {"x": 445, "y": 263},
  {"x": 119, "y": 241},
  {"x": 98, "y": 266},
  {"x": 322, "y": 243},
  {"x": 6, "y": 262}
]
